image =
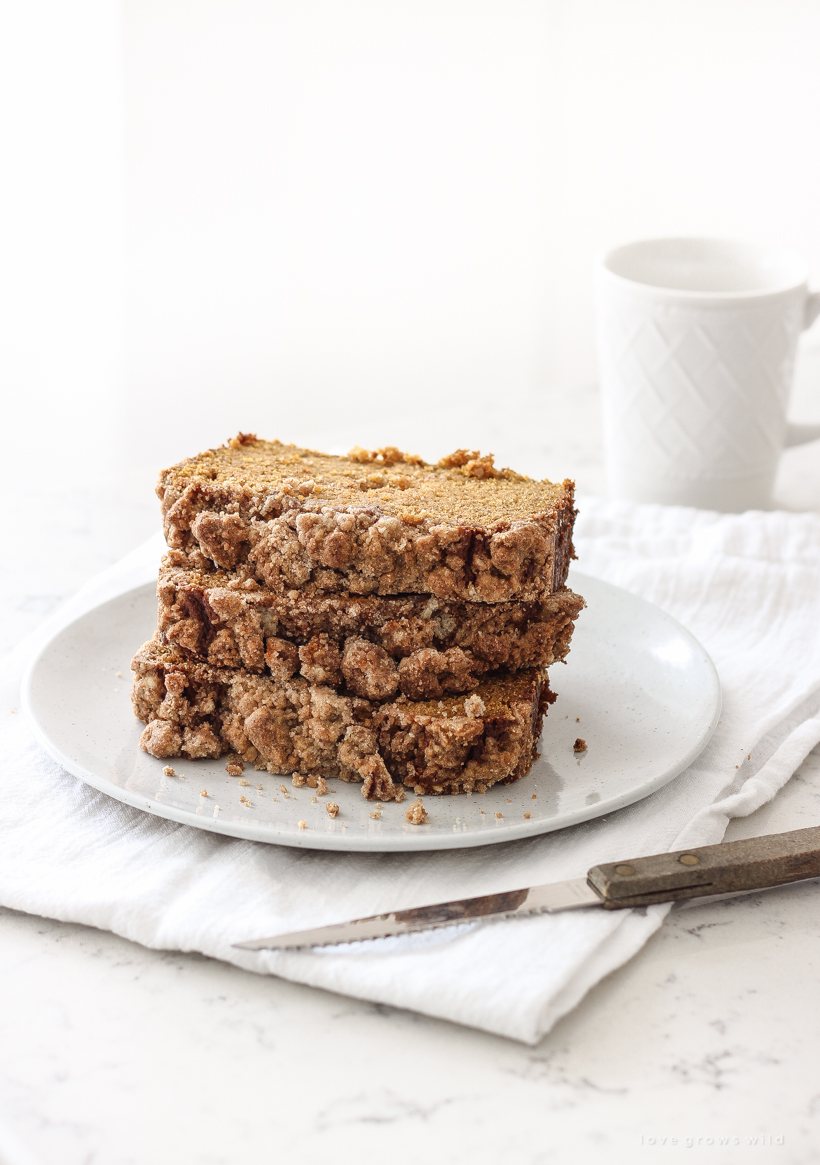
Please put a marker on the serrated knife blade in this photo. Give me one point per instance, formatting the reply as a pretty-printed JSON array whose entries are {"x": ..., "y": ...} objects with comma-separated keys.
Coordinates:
[
  {"x": 724, "y": 870},
  {"x": 558, "y": 896}
]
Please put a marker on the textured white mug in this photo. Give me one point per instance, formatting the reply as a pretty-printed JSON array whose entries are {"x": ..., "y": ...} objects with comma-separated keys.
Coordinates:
[{"x": 697, "y": 341}]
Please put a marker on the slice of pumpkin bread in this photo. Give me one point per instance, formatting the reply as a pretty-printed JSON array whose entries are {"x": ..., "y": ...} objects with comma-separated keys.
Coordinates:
[
  {"x": 371, "y": 523},
  {"x": 456, "y": 744},
  {"x": 376, "y": 645}
]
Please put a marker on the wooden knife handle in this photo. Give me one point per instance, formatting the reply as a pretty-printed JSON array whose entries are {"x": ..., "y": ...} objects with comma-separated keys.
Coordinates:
[{"x": 733, "y": 866}]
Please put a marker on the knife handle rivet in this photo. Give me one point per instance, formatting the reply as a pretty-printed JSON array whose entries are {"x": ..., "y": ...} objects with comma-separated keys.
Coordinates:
[
  {"x": 625, "y": 871},
  {"x": 689, "y": 860}
]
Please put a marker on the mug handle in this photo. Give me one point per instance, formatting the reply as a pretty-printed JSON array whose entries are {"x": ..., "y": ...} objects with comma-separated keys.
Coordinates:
[{"x": 800, "y": 434}]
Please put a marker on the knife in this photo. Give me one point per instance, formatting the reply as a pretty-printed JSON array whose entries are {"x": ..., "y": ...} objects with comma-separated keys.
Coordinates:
[{"x": 724, "y": 870}]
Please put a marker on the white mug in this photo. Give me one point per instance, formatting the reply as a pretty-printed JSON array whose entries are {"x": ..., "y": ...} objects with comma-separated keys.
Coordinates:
[{"x": 696, "y": 342}]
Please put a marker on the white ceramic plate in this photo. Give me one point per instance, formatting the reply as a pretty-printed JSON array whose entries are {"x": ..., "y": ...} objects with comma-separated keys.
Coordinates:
[{"x": 637, "y": 687}]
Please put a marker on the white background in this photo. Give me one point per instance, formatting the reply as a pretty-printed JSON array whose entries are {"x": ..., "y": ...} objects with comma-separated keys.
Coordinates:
[{"x": 341, "y": 212}]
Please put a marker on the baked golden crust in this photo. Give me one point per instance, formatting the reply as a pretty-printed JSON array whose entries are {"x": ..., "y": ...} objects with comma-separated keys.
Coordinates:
[
  {"x": 370, "y": 523},
  {"x": 456, "y": 744},
  {"x": 418, "y": 644}
]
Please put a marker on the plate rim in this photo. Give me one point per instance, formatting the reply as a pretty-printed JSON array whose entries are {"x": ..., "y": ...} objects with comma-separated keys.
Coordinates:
[{"x": 421, "y": 842}]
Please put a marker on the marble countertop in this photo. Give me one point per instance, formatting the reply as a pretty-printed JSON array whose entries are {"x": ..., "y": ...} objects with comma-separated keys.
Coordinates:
[{"x": 113, "y": 1054}]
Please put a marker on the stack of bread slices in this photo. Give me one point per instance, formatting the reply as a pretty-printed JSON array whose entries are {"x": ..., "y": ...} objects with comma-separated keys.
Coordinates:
[{"x": 370, "y": 617}]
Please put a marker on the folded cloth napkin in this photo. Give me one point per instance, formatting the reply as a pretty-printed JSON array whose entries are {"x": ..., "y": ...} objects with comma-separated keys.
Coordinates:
[{"x": 748, "y": 586}]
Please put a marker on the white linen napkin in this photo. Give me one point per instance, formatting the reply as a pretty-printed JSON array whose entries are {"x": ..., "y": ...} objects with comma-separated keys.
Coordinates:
[{"x": 748, "y": 586}]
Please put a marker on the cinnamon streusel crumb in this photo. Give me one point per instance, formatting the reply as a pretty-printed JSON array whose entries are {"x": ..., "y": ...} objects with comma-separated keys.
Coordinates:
[{"x": 417, "y": 814}]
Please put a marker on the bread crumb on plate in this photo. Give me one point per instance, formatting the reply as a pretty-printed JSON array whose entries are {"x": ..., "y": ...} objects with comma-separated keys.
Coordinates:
[{"x": 417, "y": 814}]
